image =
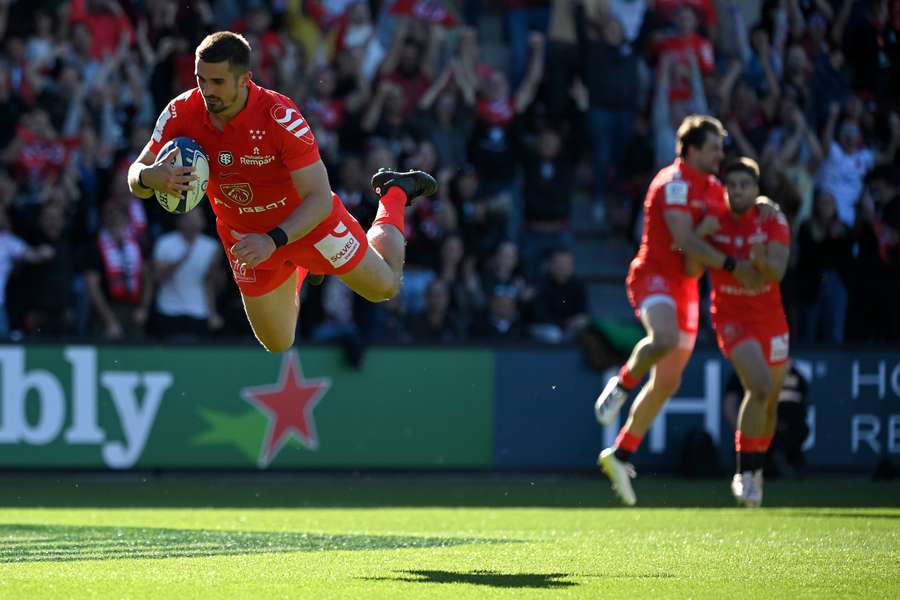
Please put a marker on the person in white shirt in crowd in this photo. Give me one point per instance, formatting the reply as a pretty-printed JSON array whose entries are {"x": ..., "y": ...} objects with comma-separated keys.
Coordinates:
[
  {"x": 849, "y": 159},
  {"x": 185, "y": 265}
]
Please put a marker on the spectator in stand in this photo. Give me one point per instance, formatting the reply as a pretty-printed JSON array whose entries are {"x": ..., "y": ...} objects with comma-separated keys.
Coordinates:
[
  {"x": 445, "y": 114},
  {"x": 497, "y": 132},
  {"x": 437, "y": 323},
  {"x": 549, "y": 186},
  {"x": 186, "y": 277},
  {"x": 411, "y": 60},
  {"x": 428, "y": 218},
  {"x": 793, "y": 148},
  {"x": 561, "y": 306},
  {"x": 503, "y": 274},
  {"x": 873, "y": 48},
  {"x": 611, "y": 73},
  {"x": 459, "y": 272},
  {"x": 849, "y": 158},
  {"x": 12, "y": 107},
  {"x": 37, "y": 154},
  {"x": 503, "y": 321},
  {"x": 118, "y": 277},
  {"x": 385, "y": 118},
  {"x": 483, "y": 220},
  {"x": 14, "y": 251},
  {"x": 670, "y": 12},
  {"x": 876, "y": 267},
  {"x": 683, "y": 38},
  {"x": 668, "y": 114},
  {"x": 51, "y": 295},
  {"x": 521, "y": 18},
  {"x": 824, "y": 253}
]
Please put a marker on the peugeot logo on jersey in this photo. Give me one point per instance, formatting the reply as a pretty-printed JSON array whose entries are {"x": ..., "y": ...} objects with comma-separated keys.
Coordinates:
[{"x": 225, "y": 158}]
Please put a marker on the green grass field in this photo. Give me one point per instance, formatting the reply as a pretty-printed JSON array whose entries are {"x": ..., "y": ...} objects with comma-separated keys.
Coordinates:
[{"x": 342, "y": 536}]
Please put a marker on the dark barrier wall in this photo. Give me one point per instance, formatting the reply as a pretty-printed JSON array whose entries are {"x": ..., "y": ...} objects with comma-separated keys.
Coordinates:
[
  {"x": 544, "y": 410},
  {"x": 419, "y": 408}
]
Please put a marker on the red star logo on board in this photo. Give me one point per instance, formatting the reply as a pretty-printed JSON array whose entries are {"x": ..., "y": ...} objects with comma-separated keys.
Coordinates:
[{"x": 288, "y": 405}]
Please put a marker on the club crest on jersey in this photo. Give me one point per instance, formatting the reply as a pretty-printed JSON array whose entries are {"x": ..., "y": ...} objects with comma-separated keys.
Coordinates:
[
  {"x": 291, "y": 120},
  {"x": 225, "y": 158},
  {"x": 239, "y": 193}
]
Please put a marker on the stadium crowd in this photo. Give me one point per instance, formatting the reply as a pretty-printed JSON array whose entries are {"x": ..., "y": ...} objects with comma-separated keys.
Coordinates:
[{"x": 521, "y": 108}]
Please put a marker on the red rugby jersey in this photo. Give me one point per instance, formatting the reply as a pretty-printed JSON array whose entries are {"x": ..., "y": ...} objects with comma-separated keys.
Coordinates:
[
  {"x": 736, "y": 235},
  {"x": 677, "y": 187},
  {"x": 250, "y": 162}
]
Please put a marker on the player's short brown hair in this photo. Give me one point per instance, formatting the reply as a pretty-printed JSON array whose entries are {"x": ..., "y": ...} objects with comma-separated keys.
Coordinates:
[
  {"x": 224, "y": 46},
  {"x": 742, "y": 165},
  {"x": 693, "y": 131}
]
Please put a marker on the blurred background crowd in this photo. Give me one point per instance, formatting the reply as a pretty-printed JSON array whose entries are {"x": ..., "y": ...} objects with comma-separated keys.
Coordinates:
[{"x": 544, "y": 121}]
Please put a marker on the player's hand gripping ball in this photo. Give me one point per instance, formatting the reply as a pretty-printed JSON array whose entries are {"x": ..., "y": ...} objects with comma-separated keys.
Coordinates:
[{"x": 189, "y": 155}]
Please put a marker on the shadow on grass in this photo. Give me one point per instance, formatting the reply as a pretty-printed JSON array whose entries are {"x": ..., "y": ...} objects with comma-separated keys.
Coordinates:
[
  {"x": 488, "y": 578},
  {"x": 52, "y": 543}
]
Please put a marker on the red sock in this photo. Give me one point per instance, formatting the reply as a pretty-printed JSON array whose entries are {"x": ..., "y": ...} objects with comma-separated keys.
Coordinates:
[
  {"x": 626, "y": 379},
  {"x": 627, "y": 441},
  {"x": 746, "y": 443},
  {"x": 391, "y": 209}
]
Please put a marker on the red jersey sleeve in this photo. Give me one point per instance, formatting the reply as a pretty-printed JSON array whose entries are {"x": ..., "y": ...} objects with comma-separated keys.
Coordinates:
[
  {"x": 777, "y": 229},
  {"x": 170, "y": 123},
  {"x": 296, "y": 142},
  {"x": 673, "y": 195}
]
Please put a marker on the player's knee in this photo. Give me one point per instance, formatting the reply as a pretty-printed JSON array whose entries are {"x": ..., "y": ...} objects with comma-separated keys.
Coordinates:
[
  {"x": 384, "y": 290},
  {"x": 760, "y": 386},
  {"x": 664, "y": 342},
  {"x": 277, "y": 343}
]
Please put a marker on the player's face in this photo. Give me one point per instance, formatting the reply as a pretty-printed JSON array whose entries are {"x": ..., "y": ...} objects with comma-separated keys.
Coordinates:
[
  {"x": 742, "y": 191},
  {"x": 219, "y": 85},
  {"x": 711, "y": 153}
]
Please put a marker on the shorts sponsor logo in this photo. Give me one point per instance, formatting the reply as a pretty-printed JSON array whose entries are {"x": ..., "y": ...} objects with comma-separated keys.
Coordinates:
[
  {"x": 778, "y": 348},
  {"x": 239, "y": 193},
  {"x": 291, "y": 120},
  {"x": 247, "y": 275},
  {"x": 225, "y": 158},
  {"x": 339, "y": 246}
]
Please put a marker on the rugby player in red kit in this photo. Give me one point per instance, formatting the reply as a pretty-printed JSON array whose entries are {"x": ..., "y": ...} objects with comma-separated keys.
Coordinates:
[
  {"x": 276, "y": 214},
  {"x": 664, "y": 295},
  {"x": 751, "y": 327}
]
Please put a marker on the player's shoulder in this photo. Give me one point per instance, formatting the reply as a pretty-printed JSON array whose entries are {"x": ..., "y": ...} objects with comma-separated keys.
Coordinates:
[
  {"x": 272, "y": 103},
  {"x": 671, "y": 185},
  {"x": 272, "y": 106},
  {"x": 188, "y": 100}
]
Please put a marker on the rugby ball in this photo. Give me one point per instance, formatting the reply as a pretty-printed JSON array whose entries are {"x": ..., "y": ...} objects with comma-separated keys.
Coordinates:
[{"x": 191, "y": 155}]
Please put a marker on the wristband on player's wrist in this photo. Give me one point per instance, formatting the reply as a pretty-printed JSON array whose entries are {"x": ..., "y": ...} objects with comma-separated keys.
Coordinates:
[
  {"x": 278, "y": 236},
  {"x": 141, "y": 179},
  {"x": 730, "y": 264}
]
